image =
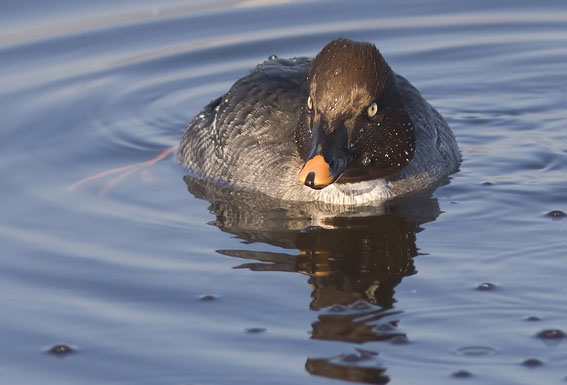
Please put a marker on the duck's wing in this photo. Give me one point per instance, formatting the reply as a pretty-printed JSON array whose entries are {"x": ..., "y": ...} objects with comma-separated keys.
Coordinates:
[
  {"x": 248, "y": 132},
  {"x": 437, "y": 153}
]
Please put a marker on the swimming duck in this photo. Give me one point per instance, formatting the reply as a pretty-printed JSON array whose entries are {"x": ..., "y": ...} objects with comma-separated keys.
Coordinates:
[{"x": 342, "y": 128}]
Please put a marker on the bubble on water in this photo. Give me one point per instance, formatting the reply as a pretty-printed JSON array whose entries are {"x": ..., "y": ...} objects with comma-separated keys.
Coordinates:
[
  {"x": 272, "y": 57},
  {"x": 486, "y": 286},
  {"x": 551, "y": 334},
  {"x": 462, "y": 374},
  {"x": 386, "y": 327},
  {"x": 366, "y": 353},
  {"x": 400, "y": 339},
  {"x": 362, "y": 355},
  {"x": 556, "y": 215},
  {"x": 532, "y": 363},
  {"x": 352, "y": 358},
  {"x": 60, "y": 350},
  {"x": 476, "y": 351}
]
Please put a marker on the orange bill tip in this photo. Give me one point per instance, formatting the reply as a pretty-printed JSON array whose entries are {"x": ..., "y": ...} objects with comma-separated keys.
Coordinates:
[{"x": 316, "y": 173}]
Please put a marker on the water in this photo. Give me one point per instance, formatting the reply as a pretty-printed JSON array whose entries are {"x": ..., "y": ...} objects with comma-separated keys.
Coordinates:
[{"x": 146, "y": 283}]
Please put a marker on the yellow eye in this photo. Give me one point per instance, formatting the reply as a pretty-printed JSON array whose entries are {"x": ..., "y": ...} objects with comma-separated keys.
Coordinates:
[
  {"x": 372, "y": 110},
  {"x": 309, "y": 103}
]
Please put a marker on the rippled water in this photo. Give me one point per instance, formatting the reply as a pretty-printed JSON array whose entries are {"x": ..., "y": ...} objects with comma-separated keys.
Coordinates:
[{"x": 145, "y": 282}]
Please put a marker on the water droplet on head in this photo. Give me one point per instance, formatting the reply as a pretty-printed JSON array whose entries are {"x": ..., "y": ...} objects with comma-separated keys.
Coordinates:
[{"x": 366, "y": 161}]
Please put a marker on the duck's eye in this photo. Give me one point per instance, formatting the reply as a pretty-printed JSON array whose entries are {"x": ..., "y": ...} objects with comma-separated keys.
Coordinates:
[
  {"x": 372, "y": 110},
  {"x": 309, "y": 103}
]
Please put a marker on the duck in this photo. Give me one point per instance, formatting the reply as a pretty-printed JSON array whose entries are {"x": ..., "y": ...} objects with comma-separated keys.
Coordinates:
[{"x": 341, "y": 129}]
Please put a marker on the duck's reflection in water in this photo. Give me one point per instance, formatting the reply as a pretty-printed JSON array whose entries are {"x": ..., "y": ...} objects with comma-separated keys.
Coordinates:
[{"x": 354, "y": 259}]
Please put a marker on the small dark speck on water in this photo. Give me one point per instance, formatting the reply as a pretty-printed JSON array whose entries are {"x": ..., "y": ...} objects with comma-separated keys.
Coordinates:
[
  {"x": 486, "y": 286},
  {"x": 363, "y": 355},
  {"x": 366, "y": 353},
  {"x": 488, "y": 184},
  {"x": 351, "y": 358},
  {"x": 532, "y": 363},
  {"x": 400, "y": 340},
  {"x": 386, "y": 327},
  {"x": 533, "y": 318},
  {"x": 556, "y": 215},
  {"x": 462, "y": 374},
  {"x": 551, "y": 334},
  {"x": 60, "y": 350},
  {"x": 208, "y": 297},
  {"x": 255, "y": 330}
]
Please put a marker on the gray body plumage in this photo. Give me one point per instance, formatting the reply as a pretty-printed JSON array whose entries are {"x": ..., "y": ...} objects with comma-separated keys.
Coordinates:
[{"x": 245, "y": 140}]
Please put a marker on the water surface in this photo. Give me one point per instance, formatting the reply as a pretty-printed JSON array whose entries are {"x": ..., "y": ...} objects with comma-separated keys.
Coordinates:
[{"x": 156, "y": 278}]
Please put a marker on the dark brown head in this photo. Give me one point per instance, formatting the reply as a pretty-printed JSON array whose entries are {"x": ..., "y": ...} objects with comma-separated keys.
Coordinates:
[{"x": 354, "y": 126}]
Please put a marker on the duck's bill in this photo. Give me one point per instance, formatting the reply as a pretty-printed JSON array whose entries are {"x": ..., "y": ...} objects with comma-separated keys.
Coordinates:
[
  {"x": 328, "y": 159},
  {"x": 316, "y": 173}
]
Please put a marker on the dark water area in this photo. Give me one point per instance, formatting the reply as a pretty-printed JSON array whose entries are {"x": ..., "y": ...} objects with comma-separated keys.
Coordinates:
[{"x": 151, "y": 277}]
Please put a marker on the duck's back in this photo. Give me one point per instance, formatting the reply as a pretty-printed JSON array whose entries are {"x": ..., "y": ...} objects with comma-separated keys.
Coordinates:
[{"x": 250, "y": 129}]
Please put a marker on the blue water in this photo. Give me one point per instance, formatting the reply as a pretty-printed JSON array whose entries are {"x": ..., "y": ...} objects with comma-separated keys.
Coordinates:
[{"x": 151, "y": 279}]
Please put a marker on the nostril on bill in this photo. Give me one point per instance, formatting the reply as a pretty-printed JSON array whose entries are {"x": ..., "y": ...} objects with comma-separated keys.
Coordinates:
[{"x": 310, "y": 179}]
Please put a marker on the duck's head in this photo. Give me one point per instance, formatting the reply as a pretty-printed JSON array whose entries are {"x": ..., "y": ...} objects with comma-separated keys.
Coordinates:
[{"x": 353, "y": 126}]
